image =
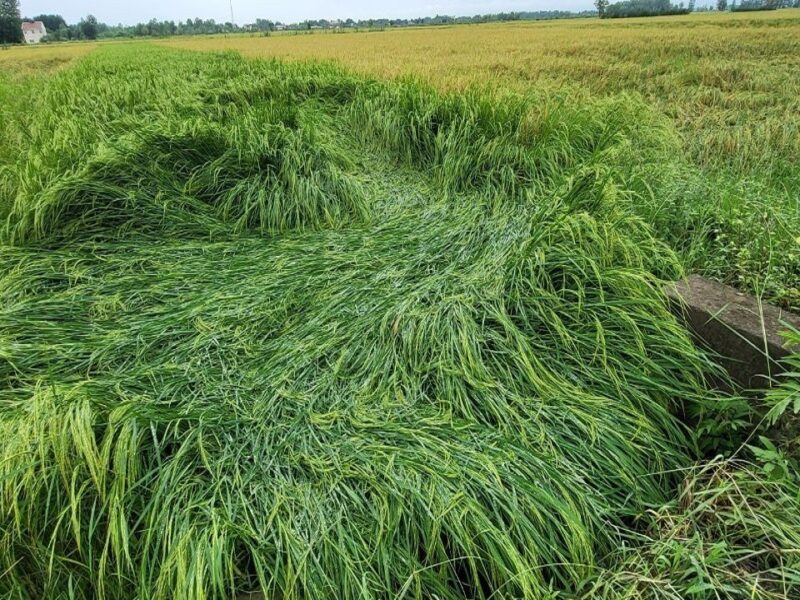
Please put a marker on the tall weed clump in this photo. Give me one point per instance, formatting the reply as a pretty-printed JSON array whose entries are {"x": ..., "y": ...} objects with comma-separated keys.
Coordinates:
[
  {"x": 252, "y": 339},
  {"x": 731, "y": 533}
]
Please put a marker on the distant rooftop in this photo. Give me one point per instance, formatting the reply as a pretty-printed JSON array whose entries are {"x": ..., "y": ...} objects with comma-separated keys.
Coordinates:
[{"x": 34, "y": 27}]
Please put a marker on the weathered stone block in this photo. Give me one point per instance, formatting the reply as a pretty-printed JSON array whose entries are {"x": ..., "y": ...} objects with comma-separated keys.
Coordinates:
[{"x": 744, "y": 332}]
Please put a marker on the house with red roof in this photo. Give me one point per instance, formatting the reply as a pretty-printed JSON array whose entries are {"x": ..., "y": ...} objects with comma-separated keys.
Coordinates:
[{"x": 33, "y": 32}]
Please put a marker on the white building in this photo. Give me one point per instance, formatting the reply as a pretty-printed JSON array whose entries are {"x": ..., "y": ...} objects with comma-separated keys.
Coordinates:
[{"x": 33, "y": 32}]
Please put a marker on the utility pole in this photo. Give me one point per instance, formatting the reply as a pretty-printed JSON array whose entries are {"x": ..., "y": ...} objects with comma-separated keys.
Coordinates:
[{"x": 233, "y": 22}]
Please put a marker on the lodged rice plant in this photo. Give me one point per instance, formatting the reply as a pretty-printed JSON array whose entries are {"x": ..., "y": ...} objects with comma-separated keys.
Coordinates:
[
  {"x": 255, "y": 169},
  {"x": 726, "y": 82},
  {"x": 276, "y": 328}
]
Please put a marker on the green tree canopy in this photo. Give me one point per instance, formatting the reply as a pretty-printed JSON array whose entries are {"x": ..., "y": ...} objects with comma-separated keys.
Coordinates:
[
  {"x": 642, "y": 8},
  {"x": 10, "y": 22},
  {"x": 88, "y": 27},
  {"x": 51, "y": 22}
]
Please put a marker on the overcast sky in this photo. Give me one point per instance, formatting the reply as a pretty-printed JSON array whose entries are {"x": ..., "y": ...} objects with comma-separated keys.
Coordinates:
[{"x": 246, "y": 11}]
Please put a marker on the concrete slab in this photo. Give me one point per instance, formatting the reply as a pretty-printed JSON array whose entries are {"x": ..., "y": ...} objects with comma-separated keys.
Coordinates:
[{"x": 744, "y": 332}]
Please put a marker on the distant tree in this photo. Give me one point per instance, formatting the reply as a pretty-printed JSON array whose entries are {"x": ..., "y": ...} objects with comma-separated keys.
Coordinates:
[
  {"x": 10, "y": 22},
  {"x": 722, "y": 5},
  {"x": 51, "y": 22},
  {"x": 88, "y": 27},
  {"x": 643, "y": 8},
  {"x": 74, "y": 32},
  {"x": 755, "y": 5},
  {"x": 691, "y": 5},
  {"x": 264, "y": 26},
  {"x": 59, "y": 35},
  {"x": 601, "y": 5}
]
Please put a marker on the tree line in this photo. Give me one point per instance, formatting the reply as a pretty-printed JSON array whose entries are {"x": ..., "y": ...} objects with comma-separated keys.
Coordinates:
[
  {"x": 10, "y": 23},
  {"x": 639, "y": 8},
  {"x": 89, "y": 28},
  {"x": 439, "y": 20},
  {"x": 652, "y": 8}
]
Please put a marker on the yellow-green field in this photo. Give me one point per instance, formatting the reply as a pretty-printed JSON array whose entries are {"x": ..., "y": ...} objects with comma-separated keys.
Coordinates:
[
  {"x": 730, "y": 81},
  {"x": 729, "y": 85},
  {"x": 31, "y": 60}
]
